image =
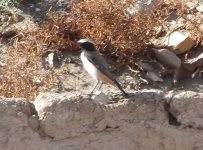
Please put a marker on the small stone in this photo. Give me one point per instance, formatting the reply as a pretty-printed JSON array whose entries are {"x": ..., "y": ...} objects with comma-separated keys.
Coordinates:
[
  {"x": 146, "y": 6},
  {"x": 100, "y": 98},
  {"x": 50, "y": 58},
  {"x": 191, "y": 5},
  {"x": 31, "y": 6},
  {"x": 24, "y": 27},
  {"x": 2, "y": 64},
  {"x": 179, "y": 42},
  {"x": 192, "y": 64},
  {"x": 144, "y": 66},
  {"x": 20, "y": 114},
  {"x": 37, "y": 81},
  {"x": 200, "y": 8},
  {"x": 154, "y": 77},
  {"x": 37, "y": 9},
  {"x": 201, "y": 27}
]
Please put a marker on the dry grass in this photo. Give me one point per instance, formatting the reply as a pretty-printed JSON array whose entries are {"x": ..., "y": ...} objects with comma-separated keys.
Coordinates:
[{"x": 117, "y": 35}]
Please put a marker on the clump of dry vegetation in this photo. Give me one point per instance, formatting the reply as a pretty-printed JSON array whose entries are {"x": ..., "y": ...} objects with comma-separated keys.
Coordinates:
[
  {"x": 115, "y": 32},
  {"x": 24, "y": 63},
  {"x": 105, "y": 21}
]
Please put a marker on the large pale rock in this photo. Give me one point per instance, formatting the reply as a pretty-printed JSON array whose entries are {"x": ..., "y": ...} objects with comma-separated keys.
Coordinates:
[
  {"x": 140, "y": 122},
  {"x": 68, "y": 115},
  {"x": 18, "y": 124},
  {"x": 187, "y": 108}
]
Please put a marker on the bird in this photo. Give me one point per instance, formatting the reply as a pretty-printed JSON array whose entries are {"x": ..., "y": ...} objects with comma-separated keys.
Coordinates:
[{"x": 96, "y": 65}]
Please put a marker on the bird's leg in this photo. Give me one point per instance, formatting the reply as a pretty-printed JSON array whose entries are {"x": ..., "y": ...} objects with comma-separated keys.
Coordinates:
[{"x": 94, "y": 87}]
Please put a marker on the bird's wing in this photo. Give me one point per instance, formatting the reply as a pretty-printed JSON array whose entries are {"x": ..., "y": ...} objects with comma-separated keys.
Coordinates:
[{"x": 99, "y": 62}]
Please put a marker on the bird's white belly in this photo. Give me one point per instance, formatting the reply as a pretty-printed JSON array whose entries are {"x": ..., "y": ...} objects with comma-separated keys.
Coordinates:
[{"x": 89, "y": 67}]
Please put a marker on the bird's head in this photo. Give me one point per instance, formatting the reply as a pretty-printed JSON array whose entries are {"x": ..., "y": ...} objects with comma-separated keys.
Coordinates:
[{"x": 87, "y": 44}]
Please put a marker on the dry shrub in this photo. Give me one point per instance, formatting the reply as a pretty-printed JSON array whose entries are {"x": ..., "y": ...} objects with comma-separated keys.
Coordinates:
[
  {"x": 24, "y": 62},
  {"x": 60, "y": 32},
  {"x": 115, "y": 33},
  {"x": 23, "y": 65}
]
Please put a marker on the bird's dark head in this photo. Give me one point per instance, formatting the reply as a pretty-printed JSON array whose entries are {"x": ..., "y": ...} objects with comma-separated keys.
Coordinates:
[{"x": 87, "y": 44}]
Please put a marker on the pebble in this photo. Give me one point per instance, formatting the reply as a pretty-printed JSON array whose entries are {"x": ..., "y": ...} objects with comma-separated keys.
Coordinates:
[
  {"x": 100, "y": 98},
  {"x": 200, "y": 8},
  {"x": 179, "y": 41},
  {"x": 37, "y": 9},
  {"x": 167, "y": 57},
  {"x": 201, "y": 27}
]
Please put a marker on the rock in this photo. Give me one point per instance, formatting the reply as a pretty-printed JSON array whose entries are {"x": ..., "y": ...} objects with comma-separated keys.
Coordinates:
[
  {"x": 48, "y": 59},
  {"x": 154, "y": 77},
  {"x": 201, "y": 28},
  {"x": 2, "y": 64},
  {"x": 167, "y": 57},
  {"x": 192, "y": 64},
  {"x": 68, "y": 115},
  {"x": 191, "y": 5},
  {"x": 146, "y": 6},
  {"x": 37, "y": 9},
  {"x": 100, "y": 98},
  {"x": 17, "y": 123},
  {"x": 114, "y": 126},
  {"x": 187, "y": 108},
  {"x": 37, "y": 81},
  {"x": 18, "y": 107},
  {"x": 179, "y": 42},
  {"x": 200, "y": 8},
  {"x": 144, "y": 65}
]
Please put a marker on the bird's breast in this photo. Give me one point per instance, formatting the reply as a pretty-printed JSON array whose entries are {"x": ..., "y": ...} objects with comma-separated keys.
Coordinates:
[{"x": 89, "y": 67}]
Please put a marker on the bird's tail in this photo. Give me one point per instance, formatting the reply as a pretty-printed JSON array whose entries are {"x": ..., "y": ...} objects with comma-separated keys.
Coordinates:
[{"x": 121, "y": 89}]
